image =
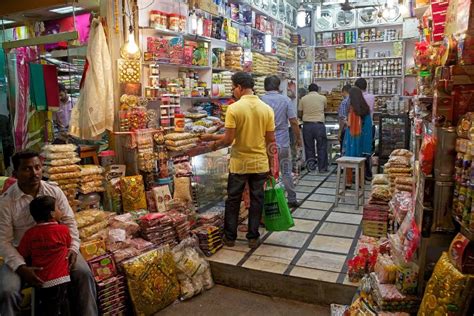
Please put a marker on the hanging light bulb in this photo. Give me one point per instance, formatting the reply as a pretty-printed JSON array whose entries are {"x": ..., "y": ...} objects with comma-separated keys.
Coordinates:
[
  {"x": 130, "y": 49},
  {"x": 301, "y": 17}
]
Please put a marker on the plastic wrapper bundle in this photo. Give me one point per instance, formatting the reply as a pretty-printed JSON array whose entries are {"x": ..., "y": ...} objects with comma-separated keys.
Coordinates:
[
  {"x": 182, "y": 189},
  {"x": 447, "y": 290},
  {"x": 210, "y": 239},
  {"x": 89, "y": 217},
  {"x": 92, "y": 249},
  {"x": 88, "y": 231},
  {"x": 113, "y": 196},
  {"x": 405, "y": 242},
  {"x": 401, "y": 204},
  {"x": 390, "y": 299},
  {"x": 60, "y": 148},
  {"x": 125, "y": 222},
  {"x": 133, "y": 193},
  {"x": 194, "y": 273},
  {"x": 111, "y": 295},
  {"x": 152, "y": 281}
]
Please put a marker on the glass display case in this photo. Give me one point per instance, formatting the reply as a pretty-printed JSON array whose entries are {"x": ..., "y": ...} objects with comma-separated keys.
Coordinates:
[
  {"x": 394, "y": 133},
  {"x": 209, "y": 181}
]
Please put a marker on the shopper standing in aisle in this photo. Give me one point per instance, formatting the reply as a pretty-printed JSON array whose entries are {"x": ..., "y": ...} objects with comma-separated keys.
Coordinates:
[
  {"x": 311, "y": 109},
  {"x": 343, "y": 111},
  {"x": 250, "y": 129},
  {"x": 285, "y": 113},
  {"x": 15, "y": 220},
  {"x": 361, "y": 83},
  {"x": 358, "y": 135}
]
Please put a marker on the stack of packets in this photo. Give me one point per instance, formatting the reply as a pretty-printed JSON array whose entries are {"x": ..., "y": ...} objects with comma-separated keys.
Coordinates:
[
  {"x": 158, "y": 228},
  {"x": 259, "y": 86},
  {"x": 213, "y": 217},
  {"x": 60, "y": 166},
  {"x": 180, "y": 224},
  {"x": 233, "y": 59},
  {"x": 194, "y": 272},
  {"x": 91, "y": 223},
  {"x": 404, "y": 184},
  {"x": 91, "y": 179},
  {"x": 152, "y": 281},
  {"x": 398, "y": 166},
  {"x": 375, "y": 212},
  {"x": 112, "y": 296},
  {"x": 180, "y": 141},
  {"x": 210, "y": 239},
  {"x": 111, "y": 289},
  {"x": 400, "y": 205},
  {"x": 389, "y": 299},
  {"x": 121, "y": 238}
]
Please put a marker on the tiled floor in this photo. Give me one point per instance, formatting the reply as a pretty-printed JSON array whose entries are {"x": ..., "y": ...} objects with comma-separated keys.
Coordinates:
[{"x": 317, "y": 247}]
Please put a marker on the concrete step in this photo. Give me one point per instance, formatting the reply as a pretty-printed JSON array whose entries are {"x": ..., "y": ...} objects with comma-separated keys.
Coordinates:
[{"x": 284, "y": 286}]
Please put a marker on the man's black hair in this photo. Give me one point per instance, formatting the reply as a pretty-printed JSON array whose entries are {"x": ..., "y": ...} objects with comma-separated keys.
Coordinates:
[
  {"x": 41, "y": 208},
  {"x": 361, "y": 83},
  {"x": 272, "y": 83},
  {"x": 243, "y": 79},
  {"x": 25, "y": 154},
  {"x": 346, "y": 88},
  {"x": 62, "y": 87},
  {"x": 313, "y": 88}
]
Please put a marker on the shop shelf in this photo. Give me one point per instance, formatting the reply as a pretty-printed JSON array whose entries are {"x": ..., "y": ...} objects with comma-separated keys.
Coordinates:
[
  {"x": 164, "y": 64},
  {"x": 468, "y": 233},
  {"x": 338, "y": 30},
  {"x": 335, "y": 79},
  {"x": 378, "y": 42},
  {"x": 380, "y": 58},
  {"x": 162, "y": 31},
  {"x": 336, "y": 45},
  {"x": 332, "y": 61}
]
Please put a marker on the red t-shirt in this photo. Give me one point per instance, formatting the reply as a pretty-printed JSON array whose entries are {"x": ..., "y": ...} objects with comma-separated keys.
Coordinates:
[{"x": 47, "y": 244}]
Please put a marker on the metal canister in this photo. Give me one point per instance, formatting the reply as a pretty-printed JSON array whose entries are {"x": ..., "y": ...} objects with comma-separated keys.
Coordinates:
[{"x": 445, "y": 154}]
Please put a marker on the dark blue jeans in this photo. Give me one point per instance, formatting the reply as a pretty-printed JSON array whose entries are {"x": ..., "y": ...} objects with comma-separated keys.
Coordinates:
[
  {"x": 235, "y": 188},
  {"x": 315, "y": 132}
]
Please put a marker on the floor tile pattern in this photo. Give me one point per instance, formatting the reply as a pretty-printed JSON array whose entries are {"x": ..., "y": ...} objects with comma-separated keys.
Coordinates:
[{"x": 317, "y": 247}]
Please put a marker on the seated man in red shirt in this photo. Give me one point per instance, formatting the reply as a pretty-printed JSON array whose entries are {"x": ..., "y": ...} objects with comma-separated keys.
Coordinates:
[{"x": 47, "y": 244}]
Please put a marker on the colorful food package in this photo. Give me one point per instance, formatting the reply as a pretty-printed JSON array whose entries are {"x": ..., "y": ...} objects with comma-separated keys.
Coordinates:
[
  {"x": 125, "y": 222},
  {"x": 85, "y": 233},
  {"x": 427, "y": 151},
  {"x": 405, "y": 242},
  {"x": 162, "y": 196},
  {"x": 182, "y": 189},
  {"x": 133, "y": 193},
  {"x": 89, "y": 217},
  {"x": 461, "y": 254},
  {"x": 385, "y": 269},
  {"x": 103, "y": 267},
  {"x": 93, "y": 249},
  {"x": 113, "y": 196},
  {"x": 152, "y": 281},
  {"x": 447, "y": 290},
  {"x": 407, "y": 278}
]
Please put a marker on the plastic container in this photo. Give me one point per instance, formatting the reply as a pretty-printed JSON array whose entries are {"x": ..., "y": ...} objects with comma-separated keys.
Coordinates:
[{"x": 174, "y": 22}]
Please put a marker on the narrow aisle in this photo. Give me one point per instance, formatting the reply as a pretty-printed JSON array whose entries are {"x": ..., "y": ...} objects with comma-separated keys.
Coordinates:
[{"x": 317, "y": 247}]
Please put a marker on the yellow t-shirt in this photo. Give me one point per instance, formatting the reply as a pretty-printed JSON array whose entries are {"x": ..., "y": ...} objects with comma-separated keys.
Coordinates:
[{"x": 251, "y": 118}]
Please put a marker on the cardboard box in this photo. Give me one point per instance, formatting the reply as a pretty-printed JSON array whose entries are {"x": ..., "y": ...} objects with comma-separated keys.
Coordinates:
[{"x": 208, "y": 6}]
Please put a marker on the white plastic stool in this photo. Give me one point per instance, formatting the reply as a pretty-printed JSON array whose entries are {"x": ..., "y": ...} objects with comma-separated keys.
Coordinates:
[{"x": 358, "y": 164}]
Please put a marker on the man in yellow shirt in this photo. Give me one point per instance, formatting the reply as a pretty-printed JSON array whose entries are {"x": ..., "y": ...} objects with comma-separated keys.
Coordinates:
[{"x": 250, "y": 129}]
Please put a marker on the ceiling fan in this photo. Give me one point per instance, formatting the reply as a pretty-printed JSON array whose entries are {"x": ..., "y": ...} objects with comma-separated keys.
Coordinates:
[{"x": 347, "y": 6}]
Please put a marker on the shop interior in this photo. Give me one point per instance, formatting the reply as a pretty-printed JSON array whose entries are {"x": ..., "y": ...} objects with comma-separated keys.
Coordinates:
[{"x": 114, "y": 95}]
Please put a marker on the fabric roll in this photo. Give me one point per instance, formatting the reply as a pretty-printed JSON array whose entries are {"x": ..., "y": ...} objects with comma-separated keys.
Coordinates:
[
  {"x": 50, "y": 74},
  {"x": 37, "y": 87}
]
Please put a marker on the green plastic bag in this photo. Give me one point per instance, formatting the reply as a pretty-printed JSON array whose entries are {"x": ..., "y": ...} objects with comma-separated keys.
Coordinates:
[{"x": 276, "y": 213}]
